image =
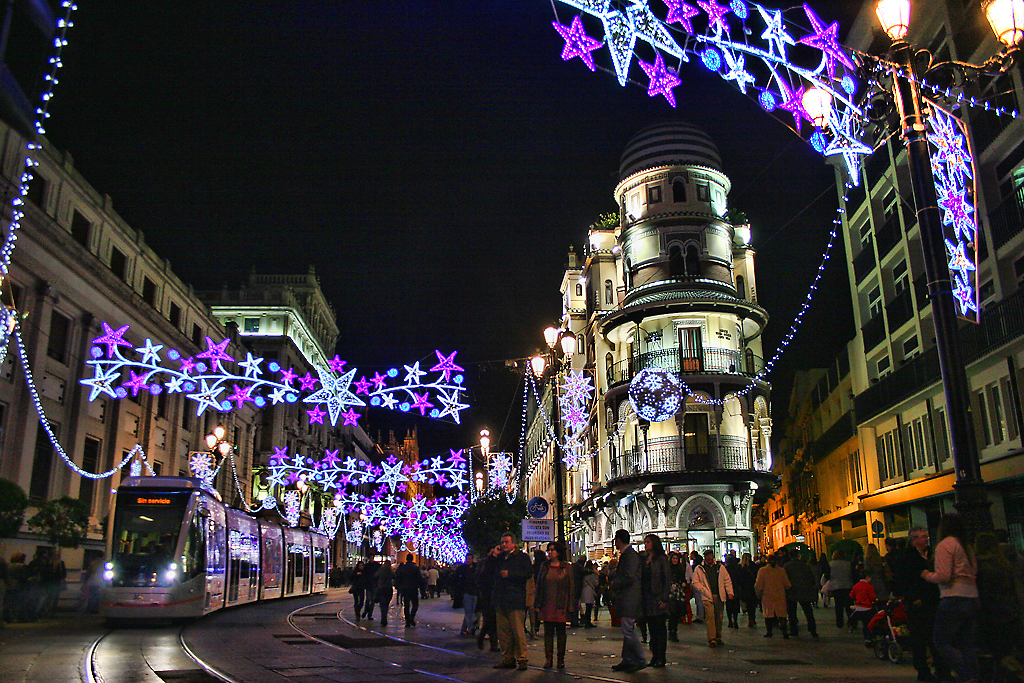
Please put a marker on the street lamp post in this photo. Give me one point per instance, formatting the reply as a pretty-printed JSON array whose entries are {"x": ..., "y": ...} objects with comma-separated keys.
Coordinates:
[
  {"x": 1006, "y": 18},
  {"x": 561, "y": 348},
  {"x": 217, "y": 445}
]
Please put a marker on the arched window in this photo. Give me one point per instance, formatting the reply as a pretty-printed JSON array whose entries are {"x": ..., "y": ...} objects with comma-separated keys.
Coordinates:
[
  {"x": 679, "y": 190},
  {"x": 579, "y": 289},
  {"x": 741, "y": 287},
  {"x": 609, "y": 293},
  {"x": 676, "y": 267},
  {"x": 692, "y": 260}
]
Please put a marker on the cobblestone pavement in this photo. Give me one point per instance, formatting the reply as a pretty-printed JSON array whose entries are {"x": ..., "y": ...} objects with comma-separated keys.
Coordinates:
[{"x": 304, "y": 640}]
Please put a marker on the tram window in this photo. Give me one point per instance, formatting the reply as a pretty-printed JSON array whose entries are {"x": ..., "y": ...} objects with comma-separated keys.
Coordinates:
[
  {"x": 195, "y": 550},
  {"x": 146, "y": 526},
  {"x": 319, "y": 560}
]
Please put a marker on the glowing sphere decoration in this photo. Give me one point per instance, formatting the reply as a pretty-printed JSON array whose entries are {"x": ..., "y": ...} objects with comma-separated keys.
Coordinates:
[{"x": 656, "y": 394}]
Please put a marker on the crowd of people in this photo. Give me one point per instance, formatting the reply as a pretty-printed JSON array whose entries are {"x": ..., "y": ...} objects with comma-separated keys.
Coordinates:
[
  {"x": 30, "y": 590},
  {"x": 509, "y": 597}
]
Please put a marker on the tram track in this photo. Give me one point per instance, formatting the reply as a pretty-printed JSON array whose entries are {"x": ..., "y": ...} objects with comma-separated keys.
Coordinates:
[{"x": 162, "y": 652}]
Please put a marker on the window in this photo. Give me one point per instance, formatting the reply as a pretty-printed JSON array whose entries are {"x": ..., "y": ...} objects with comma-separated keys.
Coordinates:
[
  {"x": 42, "y": 466},
  {"x": 987, "y": 290},
  {"x": 1018, "y": 269},
  {"x": 676, "y": 266},
  {"x": 161, "y": 404},
  {"x": 158, "y": 467},
  {"x": 57, "y": 344},
  {"x": 910, "y": 345},
  {"x": 703, "y": 193},
  {"x": 874, "y": 302},
  {"x": 741, "y": 287},
  {"x": 992, "y": 415},
  {"x": 1011, "y": 421},
  {"x": 36, "y": 189},
  {"x": 118, "y": 263},
  {"x": 90, "y": 463},
  {"x": 654, "y": 194},
  {"x": 579, "y": 289},
  {"x": 609, "y": 292},
  {"x": 251, "y": 325},
  {"x": 149, "y": 291},
  {"x": 80, "y": 228},
  {"x": 856, "y": 479},
  {"x": 940, "y": 434},
  {"x": 917, "y": 446},
  {"x": 900, "y": 279},
  {"x": 197, "y": 334},
  {"x": 186, "y": 419},
  {"x": 633, "y": 208},
  {"x": 679, "y": 190},
  {"x": 175, "y": 315},
  {"x": 883, "y": 365}
]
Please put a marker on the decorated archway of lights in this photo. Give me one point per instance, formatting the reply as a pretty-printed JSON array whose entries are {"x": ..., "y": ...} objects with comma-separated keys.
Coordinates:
[{"x": 750, "y": 45}]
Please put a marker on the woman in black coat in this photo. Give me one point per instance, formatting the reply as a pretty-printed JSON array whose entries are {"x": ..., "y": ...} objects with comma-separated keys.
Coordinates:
[{"x": 656, "y": 585}]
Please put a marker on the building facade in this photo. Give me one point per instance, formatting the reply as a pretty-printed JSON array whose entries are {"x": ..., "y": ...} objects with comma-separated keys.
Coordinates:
[
  {"x": 896, "y": 418},
  {"x": 669, "y": 285}
]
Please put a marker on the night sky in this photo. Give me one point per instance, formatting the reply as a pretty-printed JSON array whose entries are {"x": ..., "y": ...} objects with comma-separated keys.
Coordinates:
[{"x": 433, "y": 160}]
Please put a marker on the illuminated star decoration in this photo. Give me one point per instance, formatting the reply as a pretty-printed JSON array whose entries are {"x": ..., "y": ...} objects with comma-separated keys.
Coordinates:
[
  {"x": 826, "y": 39},
  {"x": 215, "y": 352},
  {"x": 446, "y": 365},
  {"x": 681, "y": 13},
  {"x": 102, "y": 382},
  {"x": 662, "y": 80},
  {"x": 794, "y": 103},
  {"x": 392, "y": 475},
  {"x": 847, "y": 144},
  {"x": 577, "y": 42},
  {"x": 251, "y": 365},
  {"x": 334, "y": 392},
  {"x": 206, "y": 397},
  {"x": 112, "y": 338},
  {"x": 316, "y": 416},
  {"x": 716, "y": 15},
  {"x": 950, "y": 149},
  {"x": 737, "y": 72},
  {"x": 775, "y": 33},
  {"x": 150, "y": 353}
]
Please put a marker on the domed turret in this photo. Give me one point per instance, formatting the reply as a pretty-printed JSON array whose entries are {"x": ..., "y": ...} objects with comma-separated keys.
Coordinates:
[{"x": 672, "y": 143}]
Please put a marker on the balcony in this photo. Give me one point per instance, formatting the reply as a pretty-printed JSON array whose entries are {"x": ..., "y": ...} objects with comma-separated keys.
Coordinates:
[
  {"x": 874, "y": 332},
  {"x": 900, "y": 309},
  {"x": 709, "y": 361},
  {"x": 1006, "y": 220},
  {"x": 864, "y": 263},
  {"x": 888, "y": 235},
  {"x": 665, "y": 455}
]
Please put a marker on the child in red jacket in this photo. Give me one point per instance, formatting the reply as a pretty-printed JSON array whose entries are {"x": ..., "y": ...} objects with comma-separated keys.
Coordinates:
[{"x": 863, "y": 596}]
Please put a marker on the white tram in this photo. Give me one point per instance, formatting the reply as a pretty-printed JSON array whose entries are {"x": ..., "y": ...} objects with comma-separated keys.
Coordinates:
[{"x": 178, "y": 551}]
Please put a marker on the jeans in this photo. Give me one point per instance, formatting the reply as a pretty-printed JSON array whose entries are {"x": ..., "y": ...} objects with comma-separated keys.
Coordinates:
[
  {"x": 698, "y": 612},
  {"x": 512, "y": 633},
  {"x": 843, "y": 602},
  {"x": 469, "y": 610},
  {"x": 411, "y": 597},
  {"x": 551, "y": 630},
  {"x": 358, "y": 596},
  {"x": 658, "y": 628},
  {"x": 921, "y": 620},
  {"x": 384, "y": 599},
  {"x": 812, "y": 625},
  {"x": 632, "y": 650},
  {"x": 955, "y": 635}
]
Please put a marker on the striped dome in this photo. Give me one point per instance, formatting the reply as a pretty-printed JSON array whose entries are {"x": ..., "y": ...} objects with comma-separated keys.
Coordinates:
[{"x": 669, "y": 143}]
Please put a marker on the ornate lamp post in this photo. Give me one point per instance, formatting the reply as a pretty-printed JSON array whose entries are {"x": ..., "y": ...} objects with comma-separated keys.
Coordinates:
[
  {"x": 904, "y": 65},
  {"x": 561, "y": 348},
  {"x": 217, "y": 445}
]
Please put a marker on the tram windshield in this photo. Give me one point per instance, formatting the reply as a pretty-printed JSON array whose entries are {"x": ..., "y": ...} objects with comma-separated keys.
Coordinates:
[{"x": 146, "y": 527}]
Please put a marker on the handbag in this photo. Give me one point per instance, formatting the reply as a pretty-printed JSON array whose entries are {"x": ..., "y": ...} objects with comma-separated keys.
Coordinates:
[{"x": 826, "y": 588}]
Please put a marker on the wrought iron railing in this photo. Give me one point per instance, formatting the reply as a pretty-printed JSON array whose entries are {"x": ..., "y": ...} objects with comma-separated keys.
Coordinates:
[
  {"x": 683, "y": 362},
  {"x": 665, "y": 454}
]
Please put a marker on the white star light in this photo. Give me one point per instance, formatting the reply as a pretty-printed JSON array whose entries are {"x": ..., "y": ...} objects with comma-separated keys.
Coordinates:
[
  {"x": 207, "y": 396},
  {"x": 392, "y": 476},
  {"x": 252, "y": 366},
  {"x": 413, "y": 373},
  {"x": 388, "y": 401},
  {"x": 173, "y": 385},
  {"x": 277, "y": 395},
  {"x": 451, "y": 405},
  {"x": 103, "y": 382},
  {"x": 150, "y": 353},
  {"x": 335, "y": 392},
  {"x": 775, "y": 34},
  {"x": 736, "y": 71},
  {"x": 847, "y": 144}
]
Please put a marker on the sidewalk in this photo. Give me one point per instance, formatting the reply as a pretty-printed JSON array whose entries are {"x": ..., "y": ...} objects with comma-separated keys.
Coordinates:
[{"x": 47, "y": 650}]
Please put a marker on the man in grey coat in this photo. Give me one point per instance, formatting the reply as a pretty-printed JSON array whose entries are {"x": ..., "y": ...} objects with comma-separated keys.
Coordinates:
[{"x": 625, "y": 586}]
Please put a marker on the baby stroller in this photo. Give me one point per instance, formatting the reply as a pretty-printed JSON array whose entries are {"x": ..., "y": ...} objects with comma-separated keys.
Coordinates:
[{"x": 889, "y": 631}]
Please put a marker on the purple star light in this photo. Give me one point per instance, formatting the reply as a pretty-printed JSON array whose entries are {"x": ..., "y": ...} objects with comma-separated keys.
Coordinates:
[
  {"x": 446, "y": 365},
  {"x": 215, "y": 352},
  {"x": 681, "y": 13},
  {"x": 662, "y": 80},
  {"x": 577, "y": 42},
  {"x": 826, "y": 39},
  {"x": 716, "y": 14},
  {"x": 112, "y": 338},
  {"x": 316, "y": 416}
]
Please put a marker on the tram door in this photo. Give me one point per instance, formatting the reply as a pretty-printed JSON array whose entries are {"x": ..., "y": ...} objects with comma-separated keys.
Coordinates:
[{"x": 216, "y": 557}]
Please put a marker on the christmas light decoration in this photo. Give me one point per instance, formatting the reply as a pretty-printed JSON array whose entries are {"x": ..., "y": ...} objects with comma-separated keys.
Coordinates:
[
  {"x": 574, "y": 407},
  {"x": 331, "y": 472},
  {"x": 953, "y": 172},
  {"x": 207, "y": 381},
  {"x": 662, "y": 80},
  {"x": 577, "y": 42},
  {"x": 656, "y": 394}
]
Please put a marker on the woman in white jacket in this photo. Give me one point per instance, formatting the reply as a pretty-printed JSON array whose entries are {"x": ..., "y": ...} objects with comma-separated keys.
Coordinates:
[{"x": 711, "y": 573}]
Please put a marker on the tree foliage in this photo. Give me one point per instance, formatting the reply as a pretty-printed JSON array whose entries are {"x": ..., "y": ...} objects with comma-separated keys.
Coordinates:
[
  {"x": 488, "y": 518},
  {"x": 606, "y": 221},
  {"x": 63, "y": 522},
  {"x": 13, "y": 503}
]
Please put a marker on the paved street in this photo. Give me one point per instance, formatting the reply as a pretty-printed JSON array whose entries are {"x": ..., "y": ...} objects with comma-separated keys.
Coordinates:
[{"x": 304, "y": 639}]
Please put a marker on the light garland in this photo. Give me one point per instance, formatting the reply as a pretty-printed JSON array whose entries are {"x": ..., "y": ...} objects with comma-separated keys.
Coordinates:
[
  {"x": 204, "y": 380},
  {"x": 331, "y": 472},
  {"x": 574, "y": 408}
]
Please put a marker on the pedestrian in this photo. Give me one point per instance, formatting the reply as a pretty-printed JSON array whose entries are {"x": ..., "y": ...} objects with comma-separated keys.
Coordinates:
[
  {"x": 771, "y": 586},
  {"x": 509, "y": 598},
  {"x": 678, "y": 603},
  {"x": 840, "y": 571},
  {"x": 602, "y": 591},
  {"x": 822, "y": 571},
  {"x": 875, "y": 568},
  {"x": 863, "y": 596},
  {"x": 370, "y": 573},
  {"x": 432, "y": 578},
  {"x": 588, "y": 596},
  {"x": 407, "y": 582},
  {"x": 732, "y": 605},
  {"x": 920, "y": 599},
  {"x": 625, "y": 585},
  {"x": 999, "y": 595},
  {"x": 468, "y": 580},
  {"x": 655, "y": 587},
  {"x": 803, "y": 589},
  {"x": 358, "y": 589},
  {"x": 554, "y": 601},
  {"x": 385, "y": 589},
  {"x": 485, "y": 575},
  {"x": 956, "y": 619},
  {"x": 17, "y": 605},
  {"x": 698, "y": 603},
  {"x": 713, "y": 585},
  {"x": 748, "y": 596}
]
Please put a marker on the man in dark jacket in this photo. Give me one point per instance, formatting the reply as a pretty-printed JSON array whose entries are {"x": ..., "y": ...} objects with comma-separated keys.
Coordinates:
[
  {"x": 407, "y": 582},
  {"x": 509, "y": 597},
  {"x": 802, "y": 591},
  {"x": 921, "y": 599},
  {"x": 626, "y": 590},
  {"x": 370, "y": 577},
  {"x": 485, "y": 575}
]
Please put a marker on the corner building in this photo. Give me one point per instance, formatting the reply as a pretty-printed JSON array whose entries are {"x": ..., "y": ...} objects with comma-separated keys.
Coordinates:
[{"x": 671, "y": 285}]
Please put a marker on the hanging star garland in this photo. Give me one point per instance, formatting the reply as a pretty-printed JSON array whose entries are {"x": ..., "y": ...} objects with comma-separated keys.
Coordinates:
[
  {"x": 662, "y": 81},
  {"x": 577, "y": 42},
  {"x": 206, "y": 380}
]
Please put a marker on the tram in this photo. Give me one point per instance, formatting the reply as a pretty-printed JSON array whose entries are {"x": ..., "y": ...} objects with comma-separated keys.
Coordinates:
[{"x": 178, "y": 551}]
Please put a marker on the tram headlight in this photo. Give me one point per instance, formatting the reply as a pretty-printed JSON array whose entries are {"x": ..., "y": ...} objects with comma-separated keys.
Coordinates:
[
  {"x": 170, "y": 575},
  {"x": 109, "y": 575}
]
